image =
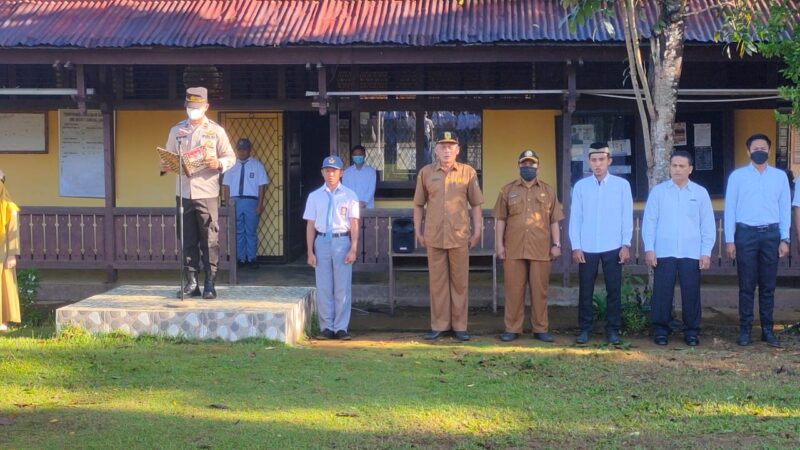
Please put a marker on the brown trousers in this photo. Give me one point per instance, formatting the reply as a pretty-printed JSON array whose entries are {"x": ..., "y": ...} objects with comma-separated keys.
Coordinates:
[
  {"x": 448, "y": 274},
  {"x": 518, "y": 273}
]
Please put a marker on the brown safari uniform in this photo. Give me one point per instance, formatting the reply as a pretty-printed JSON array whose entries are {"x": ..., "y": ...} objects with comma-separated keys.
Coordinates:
[
  {"x": 528, "y": 213},
  {"x": 449, "y": 197}
]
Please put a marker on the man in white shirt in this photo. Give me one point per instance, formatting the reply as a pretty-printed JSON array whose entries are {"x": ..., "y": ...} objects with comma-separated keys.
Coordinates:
[
  {"x": 757, "y": 219},
  {"x": 361, "y": 178},
  {"x": 246, "y": 183},
  {"x": 332, "y": 214},
  {"x": 600, "y": 231},
  {"x": 678, "y": 231}
]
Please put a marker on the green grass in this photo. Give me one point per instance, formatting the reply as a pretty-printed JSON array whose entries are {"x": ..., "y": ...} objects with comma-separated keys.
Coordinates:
[{"x": 78, "y": 391}]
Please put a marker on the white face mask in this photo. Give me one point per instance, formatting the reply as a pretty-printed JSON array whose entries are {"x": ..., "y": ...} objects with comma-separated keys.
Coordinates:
[{"x": 195, "y": 113}]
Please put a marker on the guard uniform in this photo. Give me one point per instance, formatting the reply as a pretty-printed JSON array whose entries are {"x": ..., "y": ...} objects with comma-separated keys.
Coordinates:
[
  {"x": 448, "y": 197},
  {"x": 528, "y": 213},
  {"x": 244, "y": 181}
]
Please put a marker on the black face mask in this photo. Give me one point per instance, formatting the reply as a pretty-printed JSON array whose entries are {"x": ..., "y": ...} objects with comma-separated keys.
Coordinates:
[
  {"x": 527, "y": 173},
  {"x": 759, "y": 157}
]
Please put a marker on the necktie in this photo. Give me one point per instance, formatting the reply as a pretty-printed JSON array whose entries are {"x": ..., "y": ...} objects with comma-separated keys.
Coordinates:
[
  {"x": 241, "y": 180},
  {"x": 329, "y": 222}
]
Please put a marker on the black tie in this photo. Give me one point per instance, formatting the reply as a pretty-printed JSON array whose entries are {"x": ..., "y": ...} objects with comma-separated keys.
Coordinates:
[{"x": 241, "y": 180}]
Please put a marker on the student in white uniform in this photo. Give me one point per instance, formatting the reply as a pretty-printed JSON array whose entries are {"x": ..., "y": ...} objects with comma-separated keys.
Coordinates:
[
  {"x": 361, "y": 177},
  {"x": 332, "y": 213}
]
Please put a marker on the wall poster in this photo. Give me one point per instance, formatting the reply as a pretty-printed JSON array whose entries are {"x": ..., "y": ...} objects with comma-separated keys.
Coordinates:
[{"x": 81, "y": 159}]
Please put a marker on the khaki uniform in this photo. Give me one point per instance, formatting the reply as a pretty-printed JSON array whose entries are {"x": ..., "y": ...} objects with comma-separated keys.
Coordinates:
[
  {"x": 9, "y": 296},
  {"x": 528, "y": 213},
  {"x": 205, "y": 183},
  {"x": 201, "y": 191},
  {"x": 448, "y": 197}
]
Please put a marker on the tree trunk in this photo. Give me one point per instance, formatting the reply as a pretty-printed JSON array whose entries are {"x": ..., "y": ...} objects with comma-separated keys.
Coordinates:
[{"x": 667, "y": 59}]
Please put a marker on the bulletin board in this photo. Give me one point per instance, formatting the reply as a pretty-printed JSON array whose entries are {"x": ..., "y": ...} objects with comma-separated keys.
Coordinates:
[
  {"x": 81, "y": 158},
  {"x": 701, "y": 134},
  {"x": 23, "y": 132}
]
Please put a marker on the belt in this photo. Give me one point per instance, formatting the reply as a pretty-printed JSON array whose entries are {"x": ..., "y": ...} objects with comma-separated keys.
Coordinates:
[
  {"x": 252, "y": 197},
  {"x": 346, "y": 233},
  {"x": 758, "y": 228}
]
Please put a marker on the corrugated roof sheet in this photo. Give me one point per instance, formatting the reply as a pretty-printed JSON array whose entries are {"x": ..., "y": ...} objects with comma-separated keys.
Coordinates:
[{"x": 280, "y": 23}]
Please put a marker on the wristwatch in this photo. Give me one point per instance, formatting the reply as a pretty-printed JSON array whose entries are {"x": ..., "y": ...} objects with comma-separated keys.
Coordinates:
[{"x": 557, "y": 244}]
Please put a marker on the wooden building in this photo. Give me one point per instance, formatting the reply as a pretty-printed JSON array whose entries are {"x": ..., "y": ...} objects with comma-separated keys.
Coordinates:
[{"x": 303, "y": 79}]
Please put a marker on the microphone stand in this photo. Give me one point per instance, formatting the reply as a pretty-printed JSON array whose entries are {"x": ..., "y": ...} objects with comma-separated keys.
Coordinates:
[{"x": 180, "y": 213}]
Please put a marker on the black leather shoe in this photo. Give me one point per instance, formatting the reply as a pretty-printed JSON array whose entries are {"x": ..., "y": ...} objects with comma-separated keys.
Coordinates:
[
  {"x": 612, "y": 337},
  {"x": 209, "y": 289},
  {"x": 508, "y": 337},
  {"x": 326, "y": 334},
  {"x": 190, "y": 287},
  {"x": 770, "y": 338},
  {"x": 582, "y": 338},
  {"x": 544, "y": 337},
  {"x": 744, "y": 338},
  {"x": 433, "y": 335},
  {"x": 462, "y": 336},
  {"x": 691, "y": 341},
  {"x": 661, "y": 340},
  {"x": 343, "y": 335}
]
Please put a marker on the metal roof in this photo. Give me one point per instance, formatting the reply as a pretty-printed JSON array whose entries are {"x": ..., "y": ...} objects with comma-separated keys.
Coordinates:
[{"x": 92, "y": 24}]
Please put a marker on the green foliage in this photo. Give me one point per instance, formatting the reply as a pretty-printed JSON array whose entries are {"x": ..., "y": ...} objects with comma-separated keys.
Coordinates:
[
  {"x": 28, "y": 282},
  {"x": 580, "y": 11},
  {"x": 635, "y": 304},
  {"x": 74, "y": 334}
]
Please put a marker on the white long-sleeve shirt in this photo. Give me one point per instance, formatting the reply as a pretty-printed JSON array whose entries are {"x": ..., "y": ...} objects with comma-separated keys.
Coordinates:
[
  {"x": 678, "y": 222},
  {"x": 601, "y": 214},
  {"x": 757, "y": 198},
  {"x": 362, "y": 181}
]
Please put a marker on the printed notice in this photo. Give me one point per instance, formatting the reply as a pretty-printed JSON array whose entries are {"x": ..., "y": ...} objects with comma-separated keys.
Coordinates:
[
  {"x": 679, "y": 133},
  {"x": 80, "y": 146},
  {"x": 703, "y": 158},
  {"x": 702, "y": 135}
]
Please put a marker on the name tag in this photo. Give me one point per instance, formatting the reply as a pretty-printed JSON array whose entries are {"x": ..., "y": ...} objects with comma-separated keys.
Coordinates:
[{"x": 343, "y": 211}]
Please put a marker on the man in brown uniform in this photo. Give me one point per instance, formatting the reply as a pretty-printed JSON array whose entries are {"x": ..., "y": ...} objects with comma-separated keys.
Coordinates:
[
  {"x": 201, "y": 190},
  {"x": 527, "y": 238},
  {"x": 449, "y": 189}
]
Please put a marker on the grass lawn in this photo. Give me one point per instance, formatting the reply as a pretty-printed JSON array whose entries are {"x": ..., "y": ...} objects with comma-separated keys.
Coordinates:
[{"x": 392, "y": 391}]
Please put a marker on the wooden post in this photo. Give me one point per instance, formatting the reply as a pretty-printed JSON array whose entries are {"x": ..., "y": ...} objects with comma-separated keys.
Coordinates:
[
  {"x": 566, "y": 168},
  {"x": 111, "y": 196}
]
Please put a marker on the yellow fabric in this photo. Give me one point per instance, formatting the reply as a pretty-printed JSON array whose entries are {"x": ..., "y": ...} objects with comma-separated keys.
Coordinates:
[{"x": 9, "y": 296}]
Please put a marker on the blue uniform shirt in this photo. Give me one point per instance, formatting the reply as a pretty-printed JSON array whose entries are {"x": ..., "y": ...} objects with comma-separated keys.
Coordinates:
[
  {"x": 757, "y": 198},
  {"x": 601, "y": 214},
  {"x": 678, "y": 223}
]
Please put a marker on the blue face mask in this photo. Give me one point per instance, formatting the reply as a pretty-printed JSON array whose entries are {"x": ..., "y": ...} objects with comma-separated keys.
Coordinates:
[
  {"x": 527, "y": 173},
  {"x": 358, "y": 159}
]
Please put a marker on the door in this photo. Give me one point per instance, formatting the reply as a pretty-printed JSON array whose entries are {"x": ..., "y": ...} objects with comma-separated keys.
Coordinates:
[{"x": 265, "y": 131}]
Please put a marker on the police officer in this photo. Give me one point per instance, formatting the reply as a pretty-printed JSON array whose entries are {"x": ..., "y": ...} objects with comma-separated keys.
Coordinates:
[
  {"x": 451, "y": 193},
  {"x": 757, "y": 221},
  {"x": 678, "y": 232},
  {"x": 600, "y": 231},
  {"x": 332, "y": 213},
  {"x": 246, "y": 184},
  {"x": 527, "y": 238},
  {"x": 200, "y": 200}
]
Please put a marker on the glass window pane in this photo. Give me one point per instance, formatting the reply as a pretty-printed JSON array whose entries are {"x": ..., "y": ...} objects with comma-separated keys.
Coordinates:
[
  {"x": 390, "y": 138},
  {"x": 614, "y": 129},
  {"x": 464, "y": 126}
]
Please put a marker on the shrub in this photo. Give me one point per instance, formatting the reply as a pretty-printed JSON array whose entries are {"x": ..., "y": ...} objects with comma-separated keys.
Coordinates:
[
  {"x": 635, "y": 303},
  {"x": 28, "y": 281}
]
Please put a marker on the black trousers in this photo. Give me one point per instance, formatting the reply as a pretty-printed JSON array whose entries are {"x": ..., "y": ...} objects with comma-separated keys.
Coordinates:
[
  {"x": 757, "y": 265},
  {"x": 688, "y": 271},
  {"x": 200, "y": 233},
  {"x": 587, "y": 274}
]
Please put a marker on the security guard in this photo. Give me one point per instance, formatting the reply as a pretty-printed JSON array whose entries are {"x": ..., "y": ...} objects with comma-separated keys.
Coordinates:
[
  {"x": 527, "y": 238},
  {"x": 200, "y": 190},
  {"x": 451, "y": 193},
  {"x": 246, "y": 184},
  {"x": 332, "y": 213}
]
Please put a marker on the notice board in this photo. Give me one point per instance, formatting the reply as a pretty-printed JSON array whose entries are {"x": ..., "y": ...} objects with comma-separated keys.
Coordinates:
[
  {"x": 81, "y": 162},
  {"x": 23, "y": 132}
]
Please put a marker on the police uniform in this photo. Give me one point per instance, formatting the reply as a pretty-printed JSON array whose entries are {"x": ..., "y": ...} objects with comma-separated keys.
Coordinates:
[
  {"x": 528, "y": 213},
  {"x": 448, "y": 197},
  {"x": 245, "y": 180},
  {"x": 331, "y": 212},
  {"x": 201, "y": 189}
]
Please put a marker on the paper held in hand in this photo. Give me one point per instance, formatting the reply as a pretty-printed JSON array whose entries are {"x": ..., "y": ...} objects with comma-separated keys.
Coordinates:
[{"x": 193, "y": 160}]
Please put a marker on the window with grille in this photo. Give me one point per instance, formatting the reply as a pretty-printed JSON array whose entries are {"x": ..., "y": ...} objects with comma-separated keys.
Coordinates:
[
  {"x": 146, "y": 82},
  {"x": 209, "y": 77},
  {"x": 253, "y": 82}
]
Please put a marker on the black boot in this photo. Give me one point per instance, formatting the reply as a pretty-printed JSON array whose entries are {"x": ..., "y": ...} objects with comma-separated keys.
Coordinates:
[
  {"x": 190, "y": 286},
  {"x": 209, "y": 291}
]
